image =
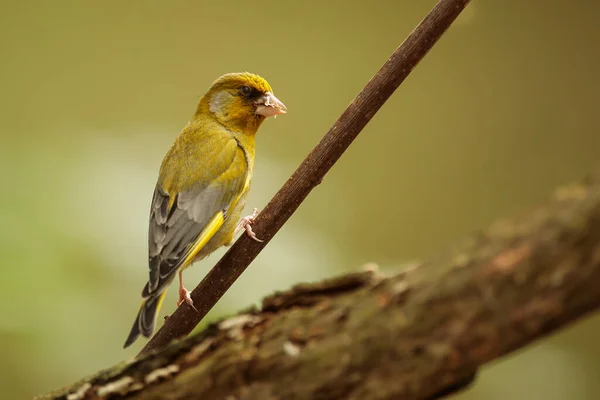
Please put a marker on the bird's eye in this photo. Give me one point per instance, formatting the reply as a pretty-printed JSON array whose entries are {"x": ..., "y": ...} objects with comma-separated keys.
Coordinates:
[{"x": 246, "y": 91}]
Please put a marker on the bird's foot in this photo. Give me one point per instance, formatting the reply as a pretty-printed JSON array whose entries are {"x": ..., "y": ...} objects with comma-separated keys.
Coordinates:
[
  {"x": 246, "y": 224},
  {"x": 184, "y": 295}
]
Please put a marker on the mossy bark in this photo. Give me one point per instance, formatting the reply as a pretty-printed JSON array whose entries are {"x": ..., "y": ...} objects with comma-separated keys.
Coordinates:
[{"x": 417, "y": 334}]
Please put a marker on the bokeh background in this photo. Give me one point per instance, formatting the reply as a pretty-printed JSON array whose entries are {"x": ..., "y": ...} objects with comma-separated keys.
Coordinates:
[{"x": 502, "y": 110}]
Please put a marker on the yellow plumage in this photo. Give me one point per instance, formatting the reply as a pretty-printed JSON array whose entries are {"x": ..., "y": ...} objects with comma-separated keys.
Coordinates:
[{"x": 202, "y": 185}]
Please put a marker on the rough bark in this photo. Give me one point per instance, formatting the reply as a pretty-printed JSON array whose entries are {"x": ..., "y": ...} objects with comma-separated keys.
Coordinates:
[{"x": 417, "y": 334}]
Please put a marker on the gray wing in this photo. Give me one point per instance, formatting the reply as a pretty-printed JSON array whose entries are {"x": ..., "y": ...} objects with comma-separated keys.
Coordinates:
[{"x": 172, "y": 232}]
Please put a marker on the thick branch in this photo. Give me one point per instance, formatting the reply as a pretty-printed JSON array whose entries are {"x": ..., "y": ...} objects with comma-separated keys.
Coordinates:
[
  {"x": 418, "y": 334},
  {"x": 311, "y": 172}
]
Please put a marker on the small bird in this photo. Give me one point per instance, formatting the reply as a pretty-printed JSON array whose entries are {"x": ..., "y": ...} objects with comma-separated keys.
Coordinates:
[{"x": 202, "y": 187}]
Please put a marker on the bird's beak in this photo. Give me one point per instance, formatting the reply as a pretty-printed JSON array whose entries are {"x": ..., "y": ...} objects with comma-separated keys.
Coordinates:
[{"x": 269, "y": 106}]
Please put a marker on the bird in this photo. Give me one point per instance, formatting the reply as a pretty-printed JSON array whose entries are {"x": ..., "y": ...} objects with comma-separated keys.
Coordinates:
[{"x": 202, "y": 187}]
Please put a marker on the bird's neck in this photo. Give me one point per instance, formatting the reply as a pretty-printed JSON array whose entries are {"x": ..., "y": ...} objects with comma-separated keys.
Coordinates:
[{"x": 243, "y": 134}]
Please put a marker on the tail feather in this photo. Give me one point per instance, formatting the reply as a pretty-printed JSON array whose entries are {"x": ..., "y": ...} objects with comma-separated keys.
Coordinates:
[{"x": 146, "y": 318}]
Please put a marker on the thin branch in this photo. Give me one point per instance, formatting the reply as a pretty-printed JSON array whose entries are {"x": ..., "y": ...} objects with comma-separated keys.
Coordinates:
[
  {"x": 311, "y": 172},
  {"x": 421, "y": 333}
]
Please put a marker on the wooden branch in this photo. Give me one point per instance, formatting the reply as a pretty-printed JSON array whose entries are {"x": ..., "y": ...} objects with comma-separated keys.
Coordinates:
[
  {"x": 419, "y": 334},
  {"x": 311, "y": 172}
]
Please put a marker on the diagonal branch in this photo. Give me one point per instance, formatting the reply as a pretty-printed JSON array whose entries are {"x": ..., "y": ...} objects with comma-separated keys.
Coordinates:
[
  {"x": 421, "y": 333},
  {"x": 311, "y": 172}
]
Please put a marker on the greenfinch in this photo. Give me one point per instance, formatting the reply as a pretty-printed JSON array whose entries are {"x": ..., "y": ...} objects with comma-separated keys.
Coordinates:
[{"x": 202, "y": 186}]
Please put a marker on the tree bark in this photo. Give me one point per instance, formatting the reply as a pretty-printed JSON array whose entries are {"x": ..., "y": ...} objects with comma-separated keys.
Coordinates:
[{"x": 420, "y": 333}]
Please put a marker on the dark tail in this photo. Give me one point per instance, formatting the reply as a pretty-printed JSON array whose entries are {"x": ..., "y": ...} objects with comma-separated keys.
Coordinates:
[{"x": 146, "y": 318}]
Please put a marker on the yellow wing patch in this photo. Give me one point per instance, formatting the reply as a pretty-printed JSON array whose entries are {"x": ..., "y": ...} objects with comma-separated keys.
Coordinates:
[
  {"x": 207, "y": 233},
  {"x": 171, "y": 203}
]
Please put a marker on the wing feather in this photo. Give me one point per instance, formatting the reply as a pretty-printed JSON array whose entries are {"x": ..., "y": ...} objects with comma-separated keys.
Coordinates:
[{"x": 180, "y": 227}]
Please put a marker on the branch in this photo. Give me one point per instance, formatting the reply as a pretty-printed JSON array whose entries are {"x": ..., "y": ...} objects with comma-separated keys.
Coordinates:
[
  {"x": 419, "y": 334},
  {"x": 311, "y": 172}
]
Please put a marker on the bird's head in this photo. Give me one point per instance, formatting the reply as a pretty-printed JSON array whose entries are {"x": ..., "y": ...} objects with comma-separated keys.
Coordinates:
[{"x": 240, "y": 102}]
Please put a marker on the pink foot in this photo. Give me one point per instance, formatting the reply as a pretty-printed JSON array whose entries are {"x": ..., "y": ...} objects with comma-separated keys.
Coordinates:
[
  {"x": 184, "y": 295},
  {"x": 246, "y": 224}
]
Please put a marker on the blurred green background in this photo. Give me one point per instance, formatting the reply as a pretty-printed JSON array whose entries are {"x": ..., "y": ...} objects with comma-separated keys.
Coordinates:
[{"x": 502, "y": 110}]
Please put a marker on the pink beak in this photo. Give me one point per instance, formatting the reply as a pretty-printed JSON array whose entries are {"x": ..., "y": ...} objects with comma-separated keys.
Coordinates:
[{"x": 270, "y": 106}]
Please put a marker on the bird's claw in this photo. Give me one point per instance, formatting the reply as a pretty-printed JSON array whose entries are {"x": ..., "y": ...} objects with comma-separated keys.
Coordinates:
[
  {"x": 246, "y": 224},
  {"x": 184, "y": 295}
]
